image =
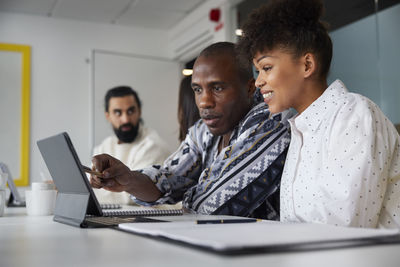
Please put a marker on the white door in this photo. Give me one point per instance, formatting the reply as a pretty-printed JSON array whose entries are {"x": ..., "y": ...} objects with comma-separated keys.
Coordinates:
[{"x": 155, "y": 80}]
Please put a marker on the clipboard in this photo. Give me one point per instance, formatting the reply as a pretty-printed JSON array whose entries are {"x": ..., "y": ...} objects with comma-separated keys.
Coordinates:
[{"x": 262, "y": 237}]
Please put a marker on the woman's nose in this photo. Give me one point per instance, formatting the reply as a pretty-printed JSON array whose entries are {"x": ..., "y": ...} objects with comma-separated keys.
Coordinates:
[{"x": 259, "y": 81}]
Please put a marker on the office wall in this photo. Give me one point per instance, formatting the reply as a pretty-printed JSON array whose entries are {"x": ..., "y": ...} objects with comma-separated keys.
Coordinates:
[
  {"x": 366, "y": 58},
  {"x": 61, "y": 73},
  {"x": 196, "y": 31},
  {"x": 157, "y": 83}
]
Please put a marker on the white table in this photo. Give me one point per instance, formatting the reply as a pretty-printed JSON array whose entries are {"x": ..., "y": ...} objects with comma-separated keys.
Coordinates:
[{"x": 39, "y": 241}]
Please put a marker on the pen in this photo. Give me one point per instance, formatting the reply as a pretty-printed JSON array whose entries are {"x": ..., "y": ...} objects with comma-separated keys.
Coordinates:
[
  {"x": 247, "y": 220},
  {"x": 89, "y": 170}
]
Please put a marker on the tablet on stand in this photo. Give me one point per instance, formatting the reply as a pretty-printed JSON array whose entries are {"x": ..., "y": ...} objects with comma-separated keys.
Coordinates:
[{"x": 15, "y": 199}]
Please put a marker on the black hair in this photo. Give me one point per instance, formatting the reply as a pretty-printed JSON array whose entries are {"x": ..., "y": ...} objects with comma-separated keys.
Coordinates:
[
  {"x": 227, "y": 48},
  {"x": 188, "y": 113},
  {"x": 120, "y": 91},
  {"x": 293, "y": 25}
]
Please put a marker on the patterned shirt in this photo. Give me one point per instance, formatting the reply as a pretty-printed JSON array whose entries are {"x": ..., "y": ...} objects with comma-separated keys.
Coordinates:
[
  {"x": 204, "y": 178},
  {"x": 342, "y": 166}
]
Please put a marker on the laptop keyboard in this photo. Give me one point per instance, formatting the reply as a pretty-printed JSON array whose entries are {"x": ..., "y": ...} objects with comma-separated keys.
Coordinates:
[
  {"x": 109, "y": 221},
  {"x": 114, "y": 221}
]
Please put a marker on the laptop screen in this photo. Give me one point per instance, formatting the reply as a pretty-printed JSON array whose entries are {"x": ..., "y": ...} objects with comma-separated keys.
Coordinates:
[{"x": 66, "y": 169}]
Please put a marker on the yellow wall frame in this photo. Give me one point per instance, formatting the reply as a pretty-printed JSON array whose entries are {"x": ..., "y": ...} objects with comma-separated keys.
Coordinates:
[{"x": 25, "y": 51}]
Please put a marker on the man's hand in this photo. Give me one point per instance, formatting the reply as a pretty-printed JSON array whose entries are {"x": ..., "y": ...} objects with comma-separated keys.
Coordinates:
[{"x": 117, "y": 177}]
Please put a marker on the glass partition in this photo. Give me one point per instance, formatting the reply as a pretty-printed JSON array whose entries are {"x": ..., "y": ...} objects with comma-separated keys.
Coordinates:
[{"x": 366, "y": 57}]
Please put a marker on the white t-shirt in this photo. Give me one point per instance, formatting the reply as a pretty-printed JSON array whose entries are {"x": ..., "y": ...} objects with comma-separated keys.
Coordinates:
[
  {"x": 342, "y": 166},
  {"x": 146, "y": 150}
]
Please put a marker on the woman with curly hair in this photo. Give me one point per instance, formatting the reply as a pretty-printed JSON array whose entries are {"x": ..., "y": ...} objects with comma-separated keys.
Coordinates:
[{"x": 343, "y": 163}]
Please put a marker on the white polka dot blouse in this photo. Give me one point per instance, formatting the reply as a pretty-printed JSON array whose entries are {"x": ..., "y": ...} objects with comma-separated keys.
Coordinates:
[{"x": 342, "y": 166}]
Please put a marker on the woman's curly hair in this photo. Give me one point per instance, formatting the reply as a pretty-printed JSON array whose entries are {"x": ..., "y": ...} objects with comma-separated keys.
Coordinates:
[{"x": 293, "y": 25}]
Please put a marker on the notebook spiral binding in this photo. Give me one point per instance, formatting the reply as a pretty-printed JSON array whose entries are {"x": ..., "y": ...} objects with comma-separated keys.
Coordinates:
[
  {"x": 108, "y": 206},
  {"x": 167, "y": 212}
]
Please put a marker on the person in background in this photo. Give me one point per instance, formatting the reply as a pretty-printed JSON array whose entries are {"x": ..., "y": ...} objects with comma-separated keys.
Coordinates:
[
  {"x": 188, "y": 112},
  {"x": 230, "y": 161},
  {"x": 343, "y": 163},
  {"x": 133, "y": 143}
]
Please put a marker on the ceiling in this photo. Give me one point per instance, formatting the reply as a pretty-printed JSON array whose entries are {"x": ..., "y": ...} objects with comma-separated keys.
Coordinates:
[
  {"x": 155, "y": 14},
  {"x": 338, "y": 13},
  {"x": 164, "y": 14}
]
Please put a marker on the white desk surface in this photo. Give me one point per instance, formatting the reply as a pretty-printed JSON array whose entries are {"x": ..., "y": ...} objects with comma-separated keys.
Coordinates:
[{"x": 39, "y": 241}]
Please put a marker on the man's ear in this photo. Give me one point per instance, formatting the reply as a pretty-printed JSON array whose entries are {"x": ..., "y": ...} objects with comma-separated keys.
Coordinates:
[
  {"x": 107, "y": 114},
  {"x": 251, "y": 87},
  {"x": 310, "y": 65}
]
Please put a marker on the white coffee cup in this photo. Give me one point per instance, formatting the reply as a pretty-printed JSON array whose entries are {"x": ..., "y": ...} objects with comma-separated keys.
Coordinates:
[
  {"x": 42, "y": 186},
  {"x": 41, "y": 199}
]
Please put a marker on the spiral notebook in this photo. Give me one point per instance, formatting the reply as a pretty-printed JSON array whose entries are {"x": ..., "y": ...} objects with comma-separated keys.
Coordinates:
[
  {"x": 76, "y": 203},
  {"x": 143, "y": 212}
]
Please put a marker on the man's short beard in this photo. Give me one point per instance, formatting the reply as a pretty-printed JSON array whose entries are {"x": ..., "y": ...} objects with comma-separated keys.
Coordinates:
[{"x": 127, "y": 136}]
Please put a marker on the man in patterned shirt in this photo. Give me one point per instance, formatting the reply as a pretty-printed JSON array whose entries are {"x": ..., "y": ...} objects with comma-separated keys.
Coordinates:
[{"x": 231, "y": 160}]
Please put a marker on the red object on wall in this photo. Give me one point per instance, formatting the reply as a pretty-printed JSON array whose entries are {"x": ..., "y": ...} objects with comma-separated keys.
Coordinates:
[
  {"x": 219, "y": 26},
  {"x": 215, "y": 14}
]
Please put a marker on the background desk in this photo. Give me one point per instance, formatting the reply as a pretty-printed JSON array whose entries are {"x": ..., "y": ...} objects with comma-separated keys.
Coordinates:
[{"x": 39, "y": 241}]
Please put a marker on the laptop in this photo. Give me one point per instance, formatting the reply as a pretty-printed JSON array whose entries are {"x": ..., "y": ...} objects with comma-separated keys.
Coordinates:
[{"x": 76, "y": 202}]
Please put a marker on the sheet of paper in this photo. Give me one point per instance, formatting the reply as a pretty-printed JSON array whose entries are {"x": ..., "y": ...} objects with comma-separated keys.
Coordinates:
[{"x": 256, "y": 234}]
